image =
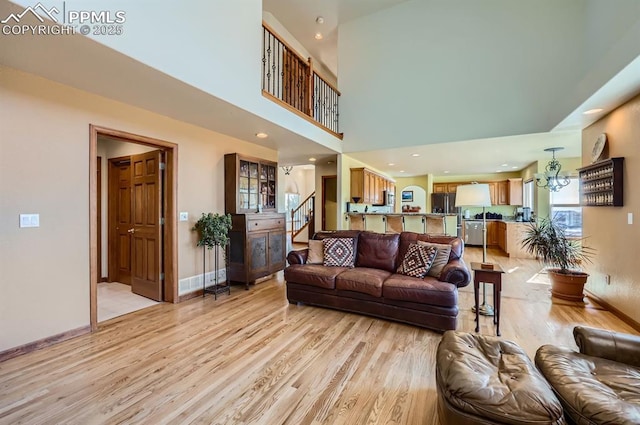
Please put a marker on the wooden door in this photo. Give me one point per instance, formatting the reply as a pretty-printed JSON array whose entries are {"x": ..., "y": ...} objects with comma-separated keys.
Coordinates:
[
  {"x": 120, "y": 220},
  {"x": 146, "y": 234}
]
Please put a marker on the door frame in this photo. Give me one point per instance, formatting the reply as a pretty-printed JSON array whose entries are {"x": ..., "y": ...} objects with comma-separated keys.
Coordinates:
[
  {"x": 324, "y": 199},
  {"x": 170, "y": 230}
]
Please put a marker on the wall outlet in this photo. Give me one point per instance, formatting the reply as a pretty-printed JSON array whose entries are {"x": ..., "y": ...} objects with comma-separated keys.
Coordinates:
[
  {"x": 184, "y": 216},
  {"x": 607, "y": 279}
]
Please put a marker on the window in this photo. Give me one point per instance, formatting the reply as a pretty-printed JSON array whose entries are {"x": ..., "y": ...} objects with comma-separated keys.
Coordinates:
[
  {"x": 527, "y": 195},
  {"x": 291, "y": 201},
  {"x": 566, "y": 209}
]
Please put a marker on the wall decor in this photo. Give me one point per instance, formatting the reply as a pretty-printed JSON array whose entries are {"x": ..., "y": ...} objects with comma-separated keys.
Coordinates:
[{"x": 407, "y": 196}]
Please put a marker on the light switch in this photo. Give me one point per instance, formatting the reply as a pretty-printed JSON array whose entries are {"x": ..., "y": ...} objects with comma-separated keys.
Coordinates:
[
  {"x": 184, "y": 216},
  {"x": 629, "y": 218},
  {"x": 29, "y": 220}
]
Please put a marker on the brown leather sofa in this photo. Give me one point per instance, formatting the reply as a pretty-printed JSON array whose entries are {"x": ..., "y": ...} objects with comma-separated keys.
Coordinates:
[
  {"x": 374, "y": 288},
  {"x": 601, "y": 383}
]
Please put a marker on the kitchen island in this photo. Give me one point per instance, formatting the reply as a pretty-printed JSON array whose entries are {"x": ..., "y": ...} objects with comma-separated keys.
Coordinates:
[
  {"x": 507, "y": 234},
  {"x": 408, "y": 221}
]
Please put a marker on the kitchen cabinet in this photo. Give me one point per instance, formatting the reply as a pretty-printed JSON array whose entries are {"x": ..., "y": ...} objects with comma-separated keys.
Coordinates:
[
  {"x": 501, "y": 234},
  {"x": 257, "y": 246},
  {"x": 440, "y": 188},
  {"x": 601, "y": 183},
  {"x": 493, "y": 192},
  {"x": 447, "y": 187},
  {"x": 502, "y": 191},
  {"x": 515, "y": 188},
  {"x": 249, "y": 183},
  {"x": 492, "y": 233},
  {"x": 369, "y": 186}
]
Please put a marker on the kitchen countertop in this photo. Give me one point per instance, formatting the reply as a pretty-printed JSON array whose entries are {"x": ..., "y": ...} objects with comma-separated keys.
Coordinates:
[{"x": 403, "y": 213}]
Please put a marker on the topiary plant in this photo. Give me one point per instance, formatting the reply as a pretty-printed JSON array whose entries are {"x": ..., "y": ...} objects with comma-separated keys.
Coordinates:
[{"x": 213, "y": 229}]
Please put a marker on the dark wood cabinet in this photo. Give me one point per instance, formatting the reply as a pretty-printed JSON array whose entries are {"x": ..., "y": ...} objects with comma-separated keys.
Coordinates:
[
  {"x": 257, "y": 246},
  {"x": 250, "y": 184},
  {"x": 601, "y": 183},
  {"x": 257, "y": 239}
]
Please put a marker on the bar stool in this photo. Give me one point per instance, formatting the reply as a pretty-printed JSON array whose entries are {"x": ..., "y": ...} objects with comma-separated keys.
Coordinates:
[
  {"x": 394, "y": 223},
  {"x": 356, "y": 222},
  {"x": 435, "y": 225},
  {"x": 414, "y": 223}
]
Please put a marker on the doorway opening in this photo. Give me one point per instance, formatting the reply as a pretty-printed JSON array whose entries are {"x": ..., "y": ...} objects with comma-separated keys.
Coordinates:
[
  {"x": 132, "y": 222},
  {"x": 329, "y": 202}
]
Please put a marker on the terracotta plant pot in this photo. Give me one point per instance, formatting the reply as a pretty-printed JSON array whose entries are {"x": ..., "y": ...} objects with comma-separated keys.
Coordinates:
[{"x": 567, "y": 286}]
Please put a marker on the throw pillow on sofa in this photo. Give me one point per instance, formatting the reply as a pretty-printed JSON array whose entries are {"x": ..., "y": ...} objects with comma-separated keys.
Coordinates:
[
  {"x": 339, "y": 252},
  {"x": 417, "y": 261},
  {"x": 316, "y": 252},
  {"x": 442, "y": 257}
]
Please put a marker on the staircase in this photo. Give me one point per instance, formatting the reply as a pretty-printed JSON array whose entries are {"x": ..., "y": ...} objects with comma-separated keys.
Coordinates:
[{"x": 303, "y": 217}]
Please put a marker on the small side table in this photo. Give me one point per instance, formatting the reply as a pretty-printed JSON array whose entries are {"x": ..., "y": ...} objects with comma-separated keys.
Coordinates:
[{"x": 494, "y": 277}]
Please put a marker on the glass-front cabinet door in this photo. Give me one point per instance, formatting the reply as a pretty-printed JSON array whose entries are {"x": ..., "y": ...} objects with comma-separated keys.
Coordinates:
[{"x": 250, "y": 184}]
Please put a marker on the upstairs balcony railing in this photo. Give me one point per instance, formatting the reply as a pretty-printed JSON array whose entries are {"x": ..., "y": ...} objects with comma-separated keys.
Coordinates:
[{"x": 289, "y": 78}]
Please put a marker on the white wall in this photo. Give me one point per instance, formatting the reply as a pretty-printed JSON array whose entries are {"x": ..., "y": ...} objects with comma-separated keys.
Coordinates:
[
  {"x": 412, "y": 68},
  {"x": 419, "y": 198},
  {"x": 213, "y": 46},
  {"x": 44, "y": 168}
]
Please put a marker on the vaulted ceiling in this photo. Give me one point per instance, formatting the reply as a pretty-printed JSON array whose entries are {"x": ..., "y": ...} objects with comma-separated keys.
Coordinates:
[{"x": 475, "y": 83}]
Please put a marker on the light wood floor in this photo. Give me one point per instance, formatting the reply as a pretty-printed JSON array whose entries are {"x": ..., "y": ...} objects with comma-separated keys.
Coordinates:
[{"x": 251, "y": 358}]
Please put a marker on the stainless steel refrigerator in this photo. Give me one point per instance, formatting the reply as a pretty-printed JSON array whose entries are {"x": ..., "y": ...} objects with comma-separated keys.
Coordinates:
[{"x": 445, "y": 203}]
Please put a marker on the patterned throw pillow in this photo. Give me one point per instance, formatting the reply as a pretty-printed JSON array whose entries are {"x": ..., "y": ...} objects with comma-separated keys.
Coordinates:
[
  {"x": 417, "y": 261},
  {"x": 442, "y": 257},
  {"x": 339, "y": 252}
]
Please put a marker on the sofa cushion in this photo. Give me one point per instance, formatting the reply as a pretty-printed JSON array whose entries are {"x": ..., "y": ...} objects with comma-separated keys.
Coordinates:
[
  {"x": 428, "y": 290},
  {"x": 378, "y": 251},
  {"x": 417, "y": 261},
  {"x": 314, "y": 275},
  {"x": 441, "y": 259},
  {"x": 362, "y": 279},
  {"x": 316, "y": 252},
  {"x": 591, "y": 389},
  {"x": 487, "y": 380},
  {"x": 407, "y": 238},
  {"x": 339, "y": 252}
]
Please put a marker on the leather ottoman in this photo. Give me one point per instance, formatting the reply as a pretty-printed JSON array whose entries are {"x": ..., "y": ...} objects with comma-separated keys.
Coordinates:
[{"x": 486, "y": 380}]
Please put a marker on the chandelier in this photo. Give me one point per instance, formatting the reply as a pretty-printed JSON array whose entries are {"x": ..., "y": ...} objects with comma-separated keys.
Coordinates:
[
  {"x": 552, "y": 178},
  {"x": 287, "y": 169}
]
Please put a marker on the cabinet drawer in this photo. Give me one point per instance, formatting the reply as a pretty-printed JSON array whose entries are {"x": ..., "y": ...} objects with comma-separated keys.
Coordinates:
[{"x": 254, "y": 225}]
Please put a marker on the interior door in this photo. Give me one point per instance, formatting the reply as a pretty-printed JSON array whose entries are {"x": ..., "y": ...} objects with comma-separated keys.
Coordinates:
[
  {"x": 120, "y": 222},
  {"x": 146, "y": 234}
]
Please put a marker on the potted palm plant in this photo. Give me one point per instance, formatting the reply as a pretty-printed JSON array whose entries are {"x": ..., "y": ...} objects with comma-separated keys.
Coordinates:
[
  {"x": 213, "y": 232},
  {"x": 548, "y": 242}
]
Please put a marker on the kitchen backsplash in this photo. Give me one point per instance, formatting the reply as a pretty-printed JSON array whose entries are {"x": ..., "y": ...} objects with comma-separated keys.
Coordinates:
[{"x": 370, "y": 208}]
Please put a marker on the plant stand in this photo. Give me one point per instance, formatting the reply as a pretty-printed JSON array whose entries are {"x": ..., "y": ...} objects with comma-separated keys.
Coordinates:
[{"x": 217, "y": 288}]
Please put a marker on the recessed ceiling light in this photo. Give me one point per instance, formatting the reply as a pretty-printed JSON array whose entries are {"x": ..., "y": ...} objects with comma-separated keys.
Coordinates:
[
  {"x": 415, "y": 154},
  {"x": 391, "y": 164},
  {"x": 515, "y": 167},
  {"x": 262, "y": 135},
  {"x": 592, "y": 111},
  {"x": 402, "y": 171},
  {"x": 320, "y": 20},
  {"x": 312, "y": 159},
  {"x": 504, "y": 165},
  {"x": 318, "y": 36},
  {"x": 498, "y": 171},
  {"x": 446, "y": 171}
]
